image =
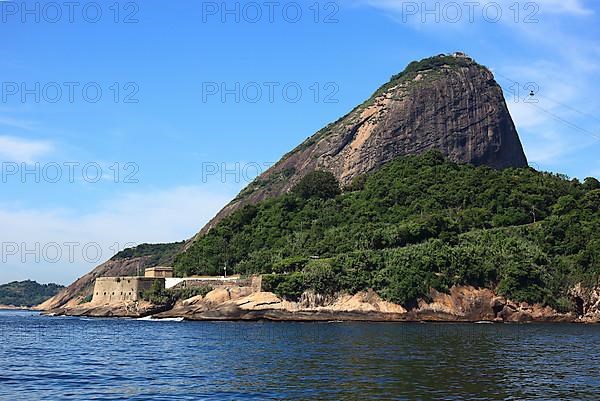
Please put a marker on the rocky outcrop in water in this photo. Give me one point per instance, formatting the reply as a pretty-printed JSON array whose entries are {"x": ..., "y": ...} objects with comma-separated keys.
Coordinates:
[
  {"x": 460, "y": 304},
  {"x": 131, "y": 309},
  {"x": 470, "y": 304}
]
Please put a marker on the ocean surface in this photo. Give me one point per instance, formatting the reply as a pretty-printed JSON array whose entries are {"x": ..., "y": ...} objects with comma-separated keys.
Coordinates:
[{"x": 63, "y": 358}]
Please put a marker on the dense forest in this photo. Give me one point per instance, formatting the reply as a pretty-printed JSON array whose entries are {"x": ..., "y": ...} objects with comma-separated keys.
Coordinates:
[
  {"x": 27, "y": 293},
  {"x": 157, "y": 254},
  {"x": 418, "y": 222}
]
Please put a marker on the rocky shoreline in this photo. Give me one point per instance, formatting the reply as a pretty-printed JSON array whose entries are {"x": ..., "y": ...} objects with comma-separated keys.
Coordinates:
[
  {"x": 461, "y": 304},
  {"x": 12, "y": 307}
]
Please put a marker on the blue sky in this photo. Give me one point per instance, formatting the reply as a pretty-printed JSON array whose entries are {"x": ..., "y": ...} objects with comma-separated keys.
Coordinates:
[{"x": 170, "y": 130}]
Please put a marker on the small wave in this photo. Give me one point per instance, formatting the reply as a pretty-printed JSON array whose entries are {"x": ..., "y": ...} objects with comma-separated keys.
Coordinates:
[{"x": 167, "y": 319}]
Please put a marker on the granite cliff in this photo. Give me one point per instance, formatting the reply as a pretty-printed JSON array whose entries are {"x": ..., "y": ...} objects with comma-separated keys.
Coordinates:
[{"x": 446, "y": 103}]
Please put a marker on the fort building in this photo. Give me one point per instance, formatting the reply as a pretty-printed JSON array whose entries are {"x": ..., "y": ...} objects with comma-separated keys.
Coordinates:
[
  {"x": 120, "y": 289},
  {"x": 159, "y": 272},
  {"x": 123, "y": 289}
]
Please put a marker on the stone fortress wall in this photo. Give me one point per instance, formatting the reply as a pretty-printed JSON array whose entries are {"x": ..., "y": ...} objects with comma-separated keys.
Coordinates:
[
  {"x": 121, "y": 289},
  {"x": 124, "y": 289}
]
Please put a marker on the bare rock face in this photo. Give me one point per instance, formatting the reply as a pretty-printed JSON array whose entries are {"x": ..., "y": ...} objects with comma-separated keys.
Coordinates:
[
  {"x": 587, "y": 301},
  {"x": 460, "y": 304},
  {"x": 446, "y": 103},
  {"x": 466, "y": 303}
]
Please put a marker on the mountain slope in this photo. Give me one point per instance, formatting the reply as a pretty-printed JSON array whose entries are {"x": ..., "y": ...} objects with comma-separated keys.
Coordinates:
[
  {"x": 418, "y": 222},
  {"x": 446, "y": 103}
]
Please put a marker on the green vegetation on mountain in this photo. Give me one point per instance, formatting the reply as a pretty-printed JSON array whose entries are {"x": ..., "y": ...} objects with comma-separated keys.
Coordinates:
[
  {"x": 415, "y": 67},
  {"x": 27, "y": 293},
  {"x": 158, "y": 254},
  {"x": 419, "y": 222}
]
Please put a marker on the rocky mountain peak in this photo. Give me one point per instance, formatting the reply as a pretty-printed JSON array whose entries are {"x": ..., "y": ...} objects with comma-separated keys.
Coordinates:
[{"x": 446, "y": 102}]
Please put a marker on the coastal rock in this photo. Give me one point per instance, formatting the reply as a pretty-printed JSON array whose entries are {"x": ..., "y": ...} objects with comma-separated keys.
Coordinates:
[
  {"x": 466, "y": 303},
  {"x": 218, "y": 296},
  {"x": 312, "y": 300},
  {"x": 365, "y": 302},
  {"x": 587, "y": 301},
  {"x": 523, "y": 312},
  {"x": 224, "y": 294},
  {"x": 134, "y": 309},
  {"x": 461, "y": 304},
  {"x": 12, "y": 307},
  {"x": 266, "y": 305},
  {"x": 192, "y": 301}
]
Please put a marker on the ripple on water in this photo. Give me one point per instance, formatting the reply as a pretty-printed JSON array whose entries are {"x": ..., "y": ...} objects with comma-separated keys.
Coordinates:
[{"x": 83, "y": 359}]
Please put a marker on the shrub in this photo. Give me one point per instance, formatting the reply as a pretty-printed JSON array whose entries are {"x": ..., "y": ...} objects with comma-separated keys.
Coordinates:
[
  {"x": 287, "y": 286},
  {"x": 86, "y": 299},
  {"x": 291, "y": 264},
  {"x": 187, "y": 293},
  {"x": 320, "y": 277},
  {"x": 158, "y": 295}
]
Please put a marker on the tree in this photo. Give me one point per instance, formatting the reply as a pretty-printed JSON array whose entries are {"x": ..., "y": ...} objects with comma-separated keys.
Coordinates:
[
  {"x": 590, "y": 183},
  {"x": 317, "y": 184},
  {"x": 591, "y": 200},
  {"x": 564, "y": 205}
]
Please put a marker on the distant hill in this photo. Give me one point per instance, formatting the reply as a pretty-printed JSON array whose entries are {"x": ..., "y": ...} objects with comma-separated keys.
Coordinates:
[{"x": 27, "y": 293}]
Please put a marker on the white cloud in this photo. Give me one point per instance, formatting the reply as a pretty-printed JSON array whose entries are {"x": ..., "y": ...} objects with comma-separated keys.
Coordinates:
[
  {"x": 16, "y": 123},
  {"x": 14, "y": 149},
  {"x": 130, "y": 219},
  {"x": 479, "y": 10}
]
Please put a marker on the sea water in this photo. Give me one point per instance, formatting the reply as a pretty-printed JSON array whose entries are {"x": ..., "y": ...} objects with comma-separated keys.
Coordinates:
[{"x": 69, "y": 358}]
